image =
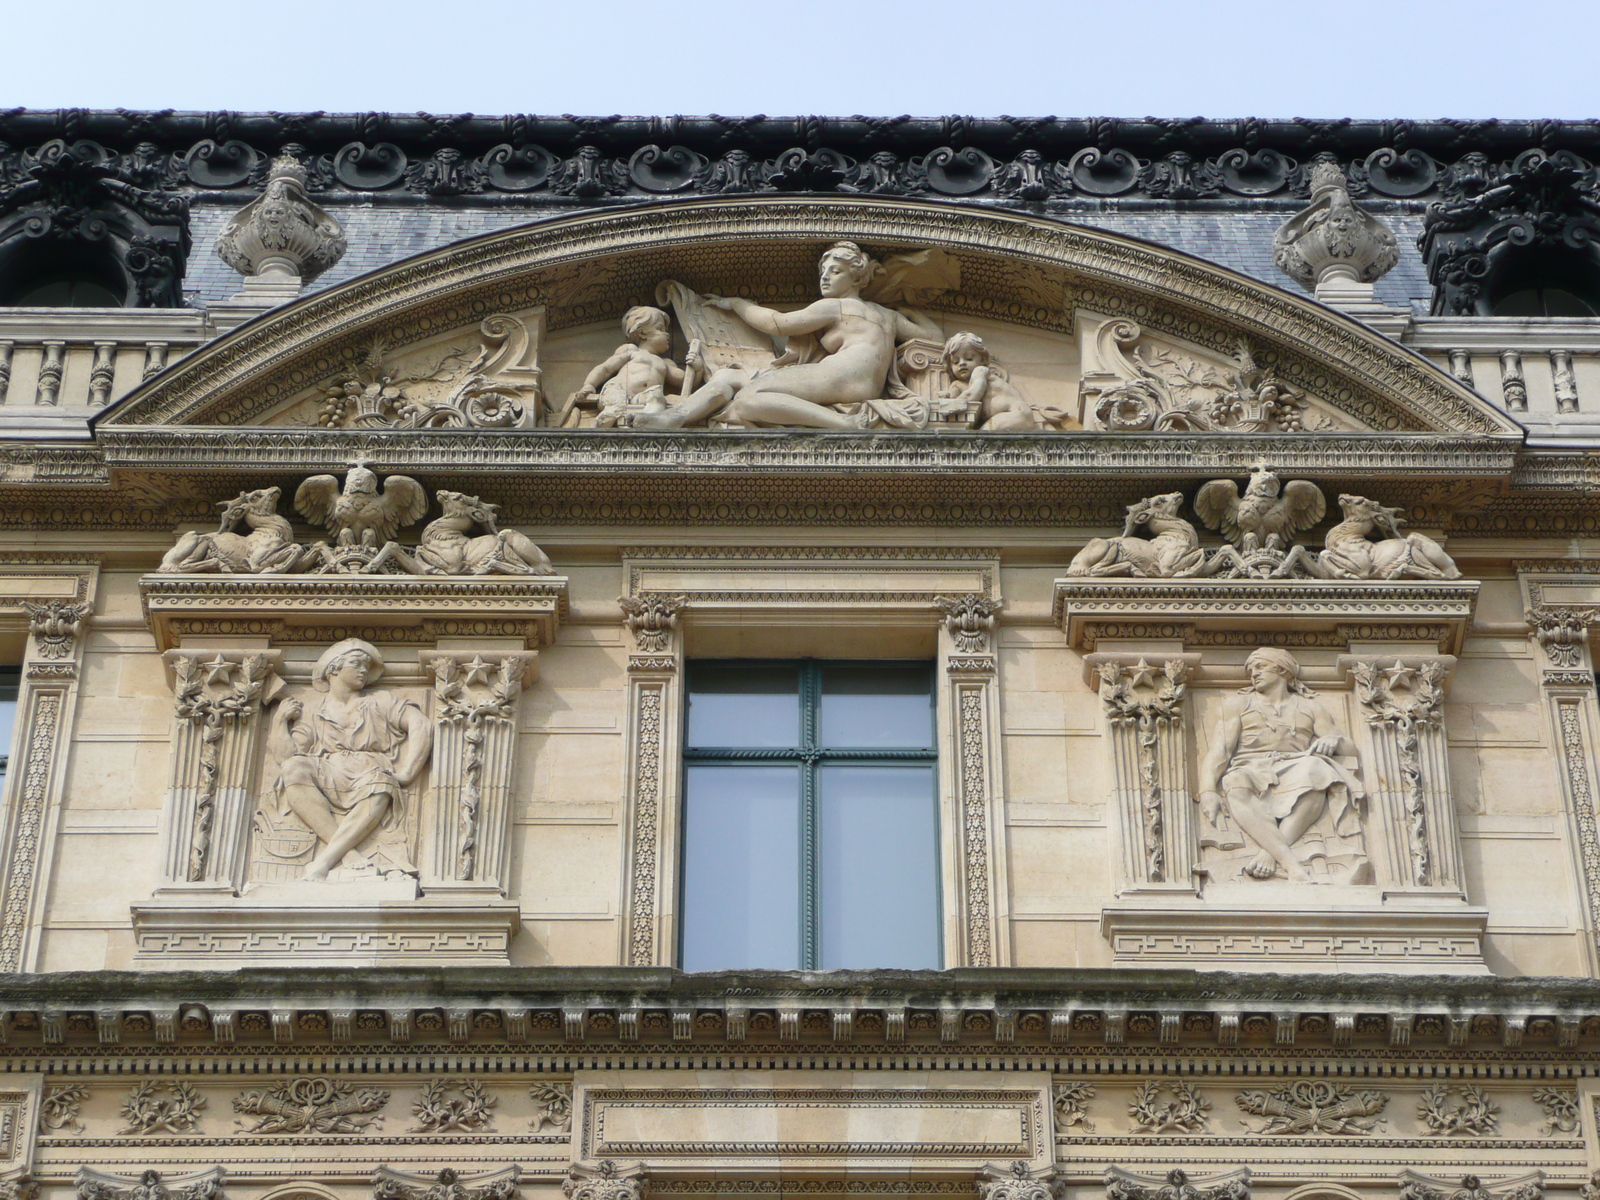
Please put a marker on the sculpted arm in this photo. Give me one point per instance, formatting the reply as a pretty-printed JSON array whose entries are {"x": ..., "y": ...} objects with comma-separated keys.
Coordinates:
[
  {"x": 596, "y": 378},
  {"x": 1224, "y": 744},
  {"x": 1330, "y": 738},
  {"x": 418, "y": 744},
  {"x": 909, "y": 323},
  {"x": 817, "y": 315}
]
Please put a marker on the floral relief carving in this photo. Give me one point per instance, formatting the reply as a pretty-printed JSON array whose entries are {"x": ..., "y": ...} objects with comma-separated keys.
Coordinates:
[
  {"x": 1313, "y": 1106},
  {"x": 1448, "y": 1111},
  {"x": 554, "y": 1101},
  {"x": 969, "y": 619},
  {"x": 1562, "y": 635},
  {"x": 98, "y": 1185},
  {"x": 646, "y": 803},
  {"x": 311, "y": 1105},
  {"x": 25, "y": 847},
  {"x": 389, "y": 1184},
  {"x": 158, "y": 1106},
  {"x": 1414, "y": 1186},
  {"x": 1185, "y": 1112},
  {"x": 604, "y": 1180},
  {"x": 20, "y": 1187},
  {"x": 55, "y": 625},
  {"x": 1135, "y": 702},
  {"x": 439, "y": 1111},
  {"x": 472, "y": 714},
  {"x": 1407, "y": 700},
  {"x": 652, "y": 617},
  {"x": 975, "y": 825},
  {"x": 59, "y": 1108},
  {"x": 1560, "y": 1110},
  {"x": 1018, "y": 1181},
  {"x": 1177, "y": 1185}
]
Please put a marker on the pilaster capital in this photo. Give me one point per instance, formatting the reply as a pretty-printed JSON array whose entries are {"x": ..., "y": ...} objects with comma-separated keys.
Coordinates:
[
  {"x": 1019, "y": 1181},
  {"x": 652, "y": 618},
  {"x": 969, "y": 619},
  {"x": 1407, "y": 688},
  {"x": 604, "y": 1180}
]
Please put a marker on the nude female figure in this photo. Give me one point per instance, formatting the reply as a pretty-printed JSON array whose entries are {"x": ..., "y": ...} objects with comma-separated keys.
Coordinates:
[{"x": 858, "y": 340}]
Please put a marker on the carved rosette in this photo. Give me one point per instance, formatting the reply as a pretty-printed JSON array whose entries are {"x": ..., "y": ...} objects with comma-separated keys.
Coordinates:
[
  {"x": 218, "y": 698},
  {"x": 1142, "y": 697},
  {"x": 604, "y": 1180},
  {"x": 474, "y": 749},
  {"x": 1402, "y": 700}
]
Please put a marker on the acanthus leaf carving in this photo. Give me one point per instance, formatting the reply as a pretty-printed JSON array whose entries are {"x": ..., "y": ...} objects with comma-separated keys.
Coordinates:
[
  {"x": 448, "y": 1184},
  {"x": 150, "y": 1185},
  {"x": 1018, "y": 1181},
  {"x": 1177, "y": 1185},
  {"x": 56, "y": 625},
  {"x": 970, "y": 620},
  {"x": 1416, "y": 1186},
  {"x": 652, "y": 618},
  {"x": 1407, "y": 700},
  {"x": 606, "y": 1179}
]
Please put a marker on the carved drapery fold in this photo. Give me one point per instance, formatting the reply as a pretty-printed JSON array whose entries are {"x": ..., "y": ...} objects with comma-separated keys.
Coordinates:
[
  {"x": 217, "y": 732},
  {"x": 474, "y": 752},
  {"x": 1142, "y": 696},
  {"x": 1402, "y": 700}
]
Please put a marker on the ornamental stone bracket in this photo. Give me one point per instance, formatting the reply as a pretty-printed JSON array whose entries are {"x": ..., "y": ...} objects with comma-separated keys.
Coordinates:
[
  {"x": 816, "y": 602},
  {"x": 49, "y": 598},
  {"x": 240, "y": 879},
  {"x": 1561, "y": 602},
  {"x": 1328, "y": 843}
]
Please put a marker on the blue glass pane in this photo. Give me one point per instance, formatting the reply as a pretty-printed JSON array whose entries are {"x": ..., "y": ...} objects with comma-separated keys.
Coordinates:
[
  {"x": 878, "y": 890},
  {"x": 876, "y": 706},
  {"x": 741, "y": 868},
  {"x": 739, "y": 704}
]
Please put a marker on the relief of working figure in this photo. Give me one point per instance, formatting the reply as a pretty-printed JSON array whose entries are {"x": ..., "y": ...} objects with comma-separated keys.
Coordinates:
[
  {"x": 1280, "y": 791},
  {"x": 342, "y": 804}
]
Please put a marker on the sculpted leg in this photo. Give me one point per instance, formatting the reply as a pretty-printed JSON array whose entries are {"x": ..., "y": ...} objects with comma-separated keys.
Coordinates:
[
  {"x": 1250, "y": 811},
  {"x": 711, "y": 397},
  {"x": 776, "y": 408},
  {"x": 360, "y": 821}
]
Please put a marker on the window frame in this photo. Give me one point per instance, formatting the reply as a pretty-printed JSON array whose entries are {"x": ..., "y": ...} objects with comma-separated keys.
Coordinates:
[{"x": 808, "y": 758}]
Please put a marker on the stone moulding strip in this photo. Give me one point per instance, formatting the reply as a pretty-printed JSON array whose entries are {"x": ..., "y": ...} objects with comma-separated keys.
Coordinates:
[
  {"x": 562, "y": 451},
  {"x": 242, "y": 375}
]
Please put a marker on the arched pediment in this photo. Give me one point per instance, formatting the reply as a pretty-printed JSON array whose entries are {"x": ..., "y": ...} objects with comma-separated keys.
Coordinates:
[{"x": 1067, "y": 299}]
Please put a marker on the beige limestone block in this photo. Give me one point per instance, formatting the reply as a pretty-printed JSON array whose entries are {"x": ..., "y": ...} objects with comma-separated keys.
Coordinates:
[{"x": 565, "y": 944}]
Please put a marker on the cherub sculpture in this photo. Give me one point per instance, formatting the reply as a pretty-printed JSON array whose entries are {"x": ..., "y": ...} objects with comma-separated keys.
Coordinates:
[
  {"x": 1351, "y": 552},
  {"x": 1261, "y": 519},
  {"x": 637, "y": 373},
  {"x": 1002, "y": 408},
  {"x": 360, "y": 514},
  {"x": 268, "y": 549},
  {"x": 447, "y": 549},
  {"x": 1171, "y": 551}
]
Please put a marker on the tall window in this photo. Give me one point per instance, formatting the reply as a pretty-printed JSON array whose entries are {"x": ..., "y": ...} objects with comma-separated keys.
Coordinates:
[
  {"x": 10, "y": 685},
  {"x": 810, "y": 816}
]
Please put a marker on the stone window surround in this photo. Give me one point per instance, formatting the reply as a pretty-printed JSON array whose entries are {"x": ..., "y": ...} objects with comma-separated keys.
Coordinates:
[{"x": 693, "y": 598}]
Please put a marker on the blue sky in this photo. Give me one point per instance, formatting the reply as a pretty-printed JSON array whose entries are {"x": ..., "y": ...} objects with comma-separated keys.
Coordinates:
[{"x": 1121, "y": 58}]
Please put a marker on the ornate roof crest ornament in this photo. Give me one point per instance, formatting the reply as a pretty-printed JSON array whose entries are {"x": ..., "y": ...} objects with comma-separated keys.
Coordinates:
[
  {"x": 1332, "y": 248},
  {"x": 281, "y": 240}
]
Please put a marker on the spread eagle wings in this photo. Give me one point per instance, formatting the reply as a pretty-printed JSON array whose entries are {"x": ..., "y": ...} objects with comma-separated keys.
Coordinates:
[
  {"x": 1217, "y": 504},
  {"x": 402, "y": 502},
  {"x": 314, "y": 499},
  {"x": 1300, "y": 506}
]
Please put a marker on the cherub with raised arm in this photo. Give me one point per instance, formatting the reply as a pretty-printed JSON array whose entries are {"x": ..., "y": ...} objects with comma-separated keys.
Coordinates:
[
  {"x": 639, "y": 372},
  {"x": 1004, "y": 409}
]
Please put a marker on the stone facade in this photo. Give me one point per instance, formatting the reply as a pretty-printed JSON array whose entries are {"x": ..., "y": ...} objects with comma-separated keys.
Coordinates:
[{"x": 355, "y": 608}]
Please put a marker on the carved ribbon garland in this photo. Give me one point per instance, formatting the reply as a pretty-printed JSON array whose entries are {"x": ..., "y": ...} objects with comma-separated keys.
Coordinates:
[
  {"x": 212, "y": 713},
  {"x": 1421, "y": 711},
  {"x": 450, "y": 682}
]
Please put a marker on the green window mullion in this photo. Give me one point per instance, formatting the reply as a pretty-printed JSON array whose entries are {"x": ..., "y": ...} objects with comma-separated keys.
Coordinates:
[{"x": 810, "y": 702}]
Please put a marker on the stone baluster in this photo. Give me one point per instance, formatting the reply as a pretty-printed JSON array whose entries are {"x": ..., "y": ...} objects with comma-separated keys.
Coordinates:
[
  {"x": 6, "y": 349},
  {"x": 102, "y": 373},
  {"x": 1461, "y": 367},
  {"x": 476, "y": 699},
  {"x": 1142, "y": 697},
  {"x": 1402, "y": 700},
  {"x": 1513, "y": 386},
  {"x": 1566, "y": 382},
  {"x": 155, "y": 359},
  {"x": 218, "y": 704},
  {"x": 50, "y": 370}
]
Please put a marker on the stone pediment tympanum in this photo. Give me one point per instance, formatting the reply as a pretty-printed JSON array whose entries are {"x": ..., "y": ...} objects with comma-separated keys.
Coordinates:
[{"x": 760, "y": 313}]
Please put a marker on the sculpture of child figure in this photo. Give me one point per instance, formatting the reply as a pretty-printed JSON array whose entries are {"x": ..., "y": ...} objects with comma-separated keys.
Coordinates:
[
  {"x": 354, "y": 755},
  {"x": 1004, "y": 409},
  {"x": 639, "y": 372}
]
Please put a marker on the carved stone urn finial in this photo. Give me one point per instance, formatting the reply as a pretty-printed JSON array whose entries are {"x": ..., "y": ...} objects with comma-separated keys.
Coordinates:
[
  {"x": 1332, "y": 248},
  {"x": 281, "y": 240}
]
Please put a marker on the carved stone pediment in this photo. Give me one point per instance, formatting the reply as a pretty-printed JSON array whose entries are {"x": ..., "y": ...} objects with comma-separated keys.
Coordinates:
[{"x": 454, "y": 315}]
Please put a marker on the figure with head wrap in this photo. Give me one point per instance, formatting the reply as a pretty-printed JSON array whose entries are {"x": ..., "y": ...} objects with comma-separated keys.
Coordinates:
[
  {"x": 355, "y": 752},
  {"x": 1279, "y": 766},
  {"x": 638, "y": 372}
]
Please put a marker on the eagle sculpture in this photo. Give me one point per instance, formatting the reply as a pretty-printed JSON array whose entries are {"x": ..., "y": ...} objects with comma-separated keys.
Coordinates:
[
  {"x": 1261, "y": 519},
  {"x": 360, "y": 513}
]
